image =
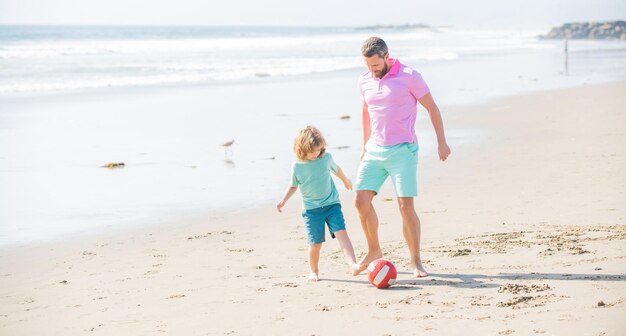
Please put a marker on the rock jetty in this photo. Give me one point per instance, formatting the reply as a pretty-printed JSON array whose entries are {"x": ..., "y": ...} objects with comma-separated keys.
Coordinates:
[{"x": 613, "y": 30}]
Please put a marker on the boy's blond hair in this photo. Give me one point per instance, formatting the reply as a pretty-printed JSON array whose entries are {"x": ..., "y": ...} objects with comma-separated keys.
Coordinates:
[{"x": 307, "y": 140}]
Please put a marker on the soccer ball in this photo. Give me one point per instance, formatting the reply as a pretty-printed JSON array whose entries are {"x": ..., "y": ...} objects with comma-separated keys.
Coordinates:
[{"x": 381, "y": 273}]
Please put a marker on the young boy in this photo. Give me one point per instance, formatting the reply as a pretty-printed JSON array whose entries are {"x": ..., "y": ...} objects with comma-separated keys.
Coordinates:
[{"x": 320, "y": 199}]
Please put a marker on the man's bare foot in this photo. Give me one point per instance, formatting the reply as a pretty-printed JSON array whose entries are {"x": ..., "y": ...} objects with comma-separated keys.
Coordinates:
[
  {"x": 419, "y": 271},
  {"x": 371, "y": 256},
  {"x": 313, "y": 277}
]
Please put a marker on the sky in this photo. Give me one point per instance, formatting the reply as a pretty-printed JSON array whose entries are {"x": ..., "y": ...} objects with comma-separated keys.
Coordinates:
[{"x": 308, "y": 13}]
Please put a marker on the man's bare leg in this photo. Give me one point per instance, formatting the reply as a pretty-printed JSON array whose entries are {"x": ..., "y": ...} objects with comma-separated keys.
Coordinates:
[
  {"x": 411, "y": 228},
  {"x": 369, "y": 223}
]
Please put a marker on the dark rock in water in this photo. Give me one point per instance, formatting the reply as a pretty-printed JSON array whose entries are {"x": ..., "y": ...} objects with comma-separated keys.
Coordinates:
[{"x": 610, "y": 30}]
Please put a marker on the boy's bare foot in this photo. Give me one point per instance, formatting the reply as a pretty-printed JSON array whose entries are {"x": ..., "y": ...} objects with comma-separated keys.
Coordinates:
[
  {"x": 419, "y": 271},
  {"x": 355, "y": 268},
  {"x": 313, "y": 277},
  {"x": 371, "y": 256}
]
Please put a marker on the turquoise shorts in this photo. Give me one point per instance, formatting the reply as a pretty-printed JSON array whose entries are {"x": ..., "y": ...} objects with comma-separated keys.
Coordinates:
[
  {"x": 314, "y": 220},
  {"x": 398, "y": 161}
]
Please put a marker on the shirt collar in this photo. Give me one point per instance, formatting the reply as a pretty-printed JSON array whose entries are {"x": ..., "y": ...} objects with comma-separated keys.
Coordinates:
[
  {"x": 393, "y": 69},
  {"x": 395, "y": 66}
]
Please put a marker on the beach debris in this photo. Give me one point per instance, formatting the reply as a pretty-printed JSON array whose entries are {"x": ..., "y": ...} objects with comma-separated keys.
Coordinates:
[
  {"x": 114, "y": 165},
  {"x": 601, "y": 304},
  {"x": 177, "y": 296},
  {"x": 342, "y": 147},
  {"x": 387, "y": 199},
  {"x": 344, "y": 117},
  {"x": 64, "y": 282}
]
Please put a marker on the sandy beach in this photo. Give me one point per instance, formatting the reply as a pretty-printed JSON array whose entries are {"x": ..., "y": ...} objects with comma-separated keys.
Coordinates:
[{"x": 523, "y": 233}]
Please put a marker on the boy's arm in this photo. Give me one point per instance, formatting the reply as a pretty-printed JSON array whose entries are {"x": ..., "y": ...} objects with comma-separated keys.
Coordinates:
[
  {"x": 346, "y": 182},
  {"x": 367, "y": 127},
  {"x": 435, "y": 118},
  {"x": 288, "y": 193}
]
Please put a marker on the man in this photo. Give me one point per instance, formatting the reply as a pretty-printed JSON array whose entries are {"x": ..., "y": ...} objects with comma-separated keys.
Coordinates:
[{"x": 390, "y": 92}]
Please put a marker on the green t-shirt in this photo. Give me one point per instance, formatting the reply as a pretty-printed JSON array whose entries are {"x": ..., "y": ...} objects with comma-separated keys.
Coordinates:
[{"x": 315, "y": 183}]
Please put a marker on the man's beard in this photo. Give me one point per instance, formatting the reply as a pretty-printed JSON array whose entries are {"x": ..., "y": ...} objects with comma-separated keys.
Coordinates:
[{"x": 384, "y": 71}]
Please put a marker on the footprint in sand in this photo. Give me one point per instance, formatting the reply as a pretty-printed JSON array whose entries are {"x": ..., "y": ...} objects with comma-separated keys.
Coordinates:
[
  {"x": 480, "y": 300},
  {"x": 529, "y": 301},
  {"x": 208, "y": 234},
  {"x": 320, "y": 307},
  {"x": 286, "y": 284},
  {"x": 516, "y": 289},
  {"x": 245, "y": 250}
]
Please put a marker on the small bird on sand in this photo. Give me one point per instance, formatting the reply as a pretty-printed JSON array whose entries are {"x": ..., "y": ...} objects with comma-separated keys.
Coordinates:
[{"x": 228, "y": 143}]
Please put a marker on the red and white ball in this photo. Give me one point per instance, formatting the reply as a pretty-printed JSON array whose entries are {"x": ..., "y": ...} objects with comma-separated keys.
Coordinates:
[{"x": 382, "y": 273}]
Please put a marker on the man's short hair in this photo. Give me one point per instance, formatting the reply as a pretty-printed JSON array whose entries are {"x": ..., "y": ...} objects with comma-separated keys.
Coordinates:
[{"x": 374, "y": 46}]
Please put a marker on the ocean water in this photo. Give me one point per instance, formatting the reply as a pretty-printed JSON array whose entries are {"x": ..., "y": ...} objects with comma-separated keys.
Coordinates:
[
  {"x": 163, "y": 99},
  {"x": 44, "y": 59}
]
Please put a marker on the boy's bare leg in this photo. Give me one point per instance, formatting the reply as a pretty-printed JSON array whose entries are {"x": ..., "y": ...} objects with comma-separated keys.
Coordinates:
[
  {"x": 347, "y": 249},
  {"x": 411, "y": 229},
  {"x": 314, "y": 260},
  {"x": 369, "y": 223}
]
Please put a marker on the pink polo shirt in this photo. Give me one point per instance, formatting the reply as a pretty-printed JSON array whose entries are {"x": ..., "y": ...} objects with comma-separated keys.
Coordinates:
[{"x": 392, "y": 103}]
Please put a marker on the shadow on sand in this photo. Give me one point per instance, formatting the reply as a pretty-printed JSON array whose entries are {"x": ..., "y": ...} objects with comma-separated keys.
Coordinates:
[
  {"x": 474, "y": 280},
  {"x": 477, "y": 280}
]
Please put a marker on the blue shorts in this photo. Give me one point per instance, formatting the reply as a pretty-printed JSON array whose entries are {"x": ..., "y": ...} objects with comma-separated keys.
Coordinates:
[
  {"x": 397, "y": 161},
  {"x": 314, "y": 220}
]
